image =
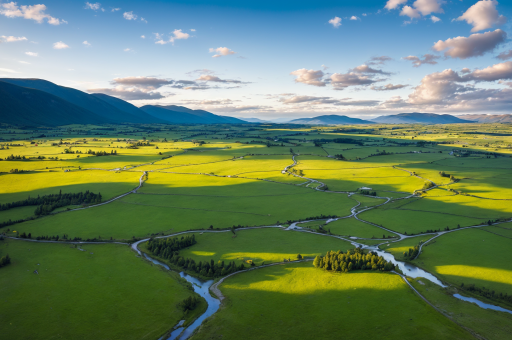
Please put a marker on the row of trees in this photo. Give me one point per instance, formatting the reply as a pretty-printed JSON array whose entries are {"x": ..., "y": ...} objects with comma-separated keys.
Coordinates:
[
  {"x": 59, "y": 199},
  {"x": 15, "y": 158},
  {"x": 368, "y": 192},
  {"x": 102, "y": 153},
  {"x": 52, "y": 202},
  {"x": 168, "y": 249},
  {"x": 355, "y": 259},
  {"x": 490, "y": 294},
  {"x": 160, "y": 246},
  {"x": 412, "y": 252}
]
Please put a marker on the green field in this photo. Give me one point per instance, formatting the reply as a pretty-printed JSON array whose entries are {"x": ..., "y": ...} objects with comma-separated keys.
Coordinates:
[
  {"x": 102, "y": 292},
  {"x": 215, "y": 177},
  {"x": 298, "y": 301}
]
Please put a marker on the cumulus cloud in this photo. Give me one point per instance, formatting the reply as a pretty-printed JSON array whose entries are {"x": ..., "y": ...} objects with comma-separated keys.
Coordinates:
[
  {"x": 175, "y": 35},
  {"x": 116, "y": 9},
  {"x": 128, "y": 93},
  {"x": 129, "y": 15},
  {"x": 393, "y": 4},
  {"x": 434, "y": 19},
  {"x": 86, "y": 43},
  {"x": 388, "y": 87},
  {"x": 483, "y": 15},
  {"x": 35, "y": 12},
  {"x": 143, "y": 36},
  {"x": 475, "y": 45},
  {"x": 4, "y": 38},
  {"x": 367, "y": 69},
  {"x": 457, "y": 90},
  {"x": 309, "y": 77},
  {"x": 505, "y": 55},
  {"x": 60, "y": 45},
  {"x": 221, "y": 51},
  {"x": 32, "y": 54},
  {"x": 427, "y": 59},
  {"x": 335, "y": 22},
  {"x": 215, "y": 79},
  {"x": 354, "y": 18},
  {"x": 410, "y": 12},
  {"x": 341, "y": 81},
  {"x": 96, "y": 6},
  {"x": 425, "y": 7},
  {"x": 148, "y": 83}
]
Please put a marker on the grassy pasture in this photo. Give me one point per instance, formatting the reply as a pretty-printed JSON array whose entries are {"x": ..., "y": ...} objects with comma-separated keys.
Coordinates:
[
  {"x": 471, "y": 256},
  {"x": 268, "y": 245},
  {"x": 397, "y": 249},
  {"x": 298, "y": 301},
  {"x": 352, "y": 227},
  {"x": 104, "y": 292}
]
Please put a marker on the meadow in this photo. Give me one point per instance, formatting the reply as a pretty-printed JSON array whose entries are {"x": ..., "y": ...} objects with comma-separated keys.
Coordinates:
[{"x": 408, "y": 179}]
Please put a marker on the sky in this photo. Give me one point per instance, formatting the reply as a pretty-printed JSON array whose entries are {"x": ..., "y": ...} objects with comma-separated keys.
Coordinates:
[{"x": 270, "y": 59}]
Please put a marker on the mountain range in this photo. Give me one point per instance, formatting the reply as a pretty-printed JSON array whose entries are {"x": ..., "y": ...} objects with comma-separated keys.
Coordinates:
[
  {"x": 36, "y": 102},
  {"x": 419, "y": 118},
  {"x": 485, "y": 118},
  {"x": 331, "y": 120}
]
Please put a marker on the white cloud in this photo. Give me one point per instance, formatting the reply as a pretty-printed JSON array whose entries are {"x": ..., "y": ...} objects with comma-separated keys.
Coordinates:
[
  {"x": 23, "y": 62},
  {"x": 335, "y": 22},
  {"x": 425, "y": 7},
  {"x": 32, "y": 54},
  {"x": 116, "y": 9},
  {"x": 388, "y": 87},
  {"x": 427, "y": 59},
  {"x": 410, "y": 12},
  {"x": 143, "y": 20},
  {"x": 192, "y": 30},
  {"x": 475, "y": 45},
  {"x": 341, "y": 81},
  {"x": 215, "y": 79},
  {"x": 393, "y": 4},
  {"x": 7, "y": 70},
  {"x": 381, "y": 60},
  {"x": 127, "y": 50},
  {"x": 434, "y": 19},
  {"x": 354, "y": 18},
  {"x": 483, "y": 15},
  {"x": 492, "y": 73},
  {"x": 309, "y": 77},
  {"x": 60, "y": 45},
  {"x": 35, "y": 12},
  {"x": 176, "y": 35},
  {"x": 505, "y": 55},
  {"x": 143, "y": 36},
  {"x": 221, "y": 51},
  {"x": 94, "y": 7},
  {"x": 367, "y": 69},
  {"x": 86, "y": 43},
  {"x": 129, "y": 15},
  {"x": 129, "y": 93},
  {"x": 10, "y": 38}
]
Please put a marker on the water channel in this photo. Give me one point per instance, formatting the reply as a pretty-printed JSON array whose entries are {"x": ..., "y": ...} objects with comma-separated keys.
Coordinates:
[{"x": 202, "y": 288}]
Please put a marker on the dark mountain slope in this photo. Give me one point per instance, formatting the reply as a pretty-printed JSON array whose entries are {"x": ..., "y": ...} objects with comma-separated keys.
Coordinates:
[
  {"x": 127, "y": 107},
  {"x": 78, "y": 98},
  {"x": 26, "y": 106}
]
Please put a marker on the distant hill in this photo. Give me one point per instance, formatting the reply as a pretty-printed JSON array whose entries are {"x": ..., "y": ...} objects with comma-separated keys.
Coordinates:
[
  {"x": 25, "y": 106},
  {"x": 484, "y": 118},
  {"x": 255, "y": 120},
  {"x": 330, "y": 120},
  {"x": 127, "y": 107},
  {"x": 182, "y": 115},
  {"x": 36, "y": 102},
  {"x": 79, "y": 98},
  {"x": 419, "y": 118}
]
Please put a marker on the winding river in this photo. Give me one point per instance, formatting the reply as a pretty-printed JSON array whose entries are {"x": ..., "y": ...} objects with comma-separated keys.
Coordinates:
[{"x": 202, "y": 288}]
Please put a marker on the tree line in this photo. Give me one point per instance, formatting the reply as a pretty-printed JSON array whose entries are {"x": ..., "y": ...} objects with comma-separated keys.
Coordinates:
[
  {"x": 102, "y": 153},
  {"x": 490, "y": 294},
  {"x": 189, "y": 303},
  {"x": 412, "y": 253},
  {"x": 355, "y": 259},
  {"x": 168, "y": 249}
]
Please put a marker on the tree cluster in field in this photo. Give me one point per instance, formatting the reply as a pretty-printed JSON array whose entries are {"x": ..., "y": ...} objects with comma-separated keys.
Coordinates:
[
  {"x": 368, "y": 192},
  {"x": 348, "y": 141},
  {"x": 297, "y": 172},
  {"x": 427, "y": 185},
  {"x": 48, "y": 203},
  {"x": 444, "y": 174},
  {"x": 169, "y": 249},
  {"x": 10, "y": 222},
  {"x": 355, "y": 259},
  {"x": 15, "y": 171},
  {"x": 412, "y": 253},
  {"x": 102, "y": 153},
  {"x": 15, "y": 158},
  {"x": 5, "y": 260},
  {"x": 340, "y": 156},
  {"x": 189, "y": 303},
  {"x": 490, "y": 294}
]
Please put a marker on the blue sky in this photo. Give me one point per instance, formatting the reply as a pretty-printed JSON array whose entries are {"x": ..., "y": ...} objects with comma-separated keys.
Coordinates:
[{"x": 270, "y": 59}]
